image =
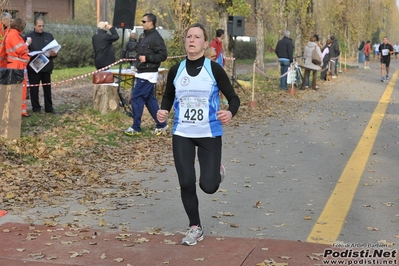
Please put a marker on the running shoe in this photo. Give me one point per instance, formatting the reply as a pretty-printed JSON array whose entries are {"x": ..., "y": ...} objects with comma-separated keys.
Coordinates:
[
  {"x": 131, "y": 132},
  {"x": 382, "y": 79},
  {"x": 222, "y": 173},
  {"x": 159, "y": 131},
  {"x": 193, "y": 236},
  {"x": 386, "y": 78}
]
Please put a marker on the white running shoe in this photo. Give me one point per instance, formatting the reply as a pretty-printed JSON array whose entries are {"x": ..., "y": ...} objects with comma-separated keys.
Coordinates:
[
  {"x": 193, "y": 236},
  {"x": 222, "y": 173},
  {"x": 131, "y": 132},
  {"x": 158, "y": 131}
]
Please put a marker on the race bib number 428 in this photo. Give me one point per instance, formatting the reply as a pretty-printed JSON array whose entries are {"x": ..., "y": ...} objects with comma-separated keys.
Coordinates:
[{"x": 194, "y": 110}]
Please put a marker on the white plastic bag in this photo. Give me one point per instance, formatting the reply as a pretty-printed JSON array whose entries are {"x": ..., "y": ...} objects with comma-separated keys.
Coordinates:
[{"x": 290, "y": 76}]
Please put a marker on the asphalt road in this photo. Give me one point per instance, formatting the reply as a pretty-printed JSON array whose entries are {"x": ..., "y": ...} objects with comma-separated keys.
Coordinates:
[{"x": 281, "y": 172}]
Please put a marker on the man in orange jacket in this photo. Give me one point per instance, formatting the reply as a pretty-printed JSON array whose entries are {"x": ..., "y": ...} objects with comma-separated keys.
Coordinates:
[
  {"x": 17, "y": 53},
  {"x": 4, "y": 28}
]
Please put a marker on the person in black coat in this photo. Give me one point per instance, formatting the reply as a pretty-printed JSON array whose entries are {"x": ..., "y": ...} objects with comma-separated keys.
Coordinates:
[
  {"x": 104, "y": 54},
  {"x": 39, "y": 40}
]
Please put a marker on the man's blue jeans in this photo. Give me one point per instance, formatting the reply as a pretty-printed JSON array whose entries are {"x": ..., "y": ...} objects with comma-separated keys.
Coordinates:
[{"x": 284, "y": 65}]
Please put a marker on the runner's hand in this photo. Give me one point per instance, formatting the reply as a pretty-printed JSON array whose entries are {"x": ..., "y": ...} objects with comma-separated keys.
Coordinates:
[
  {"x": 224, "y": 116},
  {"x": 162, "y": 115}
]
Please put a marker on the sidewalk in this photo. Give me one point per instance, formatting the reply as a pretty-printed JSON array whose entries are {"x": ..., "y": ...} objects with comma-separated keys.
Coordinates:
[{"x": 22, "y": 244}]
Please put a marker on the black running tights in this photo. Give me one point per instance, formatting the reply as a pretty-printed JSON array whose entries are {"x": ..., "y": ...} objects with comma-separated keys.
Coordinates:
[{"x": 209, "y": 157}]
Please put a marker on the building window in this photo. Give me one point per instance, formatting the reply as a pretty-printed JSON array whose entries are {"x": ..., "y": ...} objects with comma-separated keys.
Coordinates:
[
  {"x": 43, "y": 15},
  {"x": 14, "y": 13}
]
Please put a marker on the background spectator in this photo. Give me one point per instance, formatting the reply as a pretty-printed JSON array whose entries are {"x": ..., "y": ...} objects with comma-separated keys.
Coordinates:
[
  {"x": 151, "y": 52},
  {"x": 309, "y": 65},
  {"x": 104, "y": 54},
  {"x": 40, "y": 39},
  {"x": 130, "y": 49},
  {"x": 366, "y": 51},
  {"x": 284, "y": 51},
  {"x": 217, "y": 43}
]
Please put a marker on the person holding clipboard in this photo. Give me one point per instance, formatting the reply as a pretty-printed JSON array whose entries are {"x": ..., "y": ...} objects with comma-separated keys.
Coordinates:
[{"x": 41, "y": 39}]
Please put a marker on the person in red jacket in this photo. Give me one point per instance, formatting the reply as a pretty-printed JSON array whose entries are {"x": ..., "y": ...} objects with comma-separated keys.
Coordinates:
[
  {"x": 217, "y": 43},
  {"x": 4, "y": 28},
  {"x": 17, "y": 53},
  {"x": 366, "y": 51}
]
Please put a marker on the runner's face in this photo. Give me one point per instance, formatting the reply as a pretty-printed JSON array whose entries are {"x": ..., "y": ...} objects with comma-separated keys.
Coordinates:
[
  {"x": 385, "y": 40},
  {"x": 195, "y": 43}
]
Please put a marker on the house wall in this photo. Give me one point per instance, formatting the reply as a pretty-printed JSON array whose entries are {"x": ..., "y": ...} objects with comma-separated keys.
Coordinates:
[{"x": 57, "y": 10}]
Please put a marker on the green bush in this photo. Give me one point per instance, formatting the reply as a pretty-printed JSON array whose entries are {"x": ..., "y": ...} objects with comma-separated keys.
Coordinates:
[
  {"x": 245, "y": 50},
  {"x": 75, "y": 52}
]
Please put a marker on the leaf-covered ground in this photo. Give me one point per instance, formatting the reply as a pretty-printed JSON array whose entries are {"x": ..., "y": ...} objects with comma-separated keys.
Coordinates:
[{"x": 81, "y": 151}]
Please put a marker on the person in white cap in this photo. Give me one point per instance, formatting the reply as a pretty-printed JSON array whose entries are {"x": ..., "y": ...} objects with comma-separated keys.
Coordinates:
[{"x": 104, "y": 54}]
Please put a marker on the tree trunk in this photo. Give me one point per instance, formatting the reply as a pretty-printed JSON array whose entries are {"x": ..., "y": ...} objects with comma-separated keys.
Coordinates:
[
  {"x": 105, "y": 98},
  {"x": 298, "y": 37},
  {"x": 282, "y": 17},
  {"x": 260, "y": 36},
  {"x": 227, "y": 41}
]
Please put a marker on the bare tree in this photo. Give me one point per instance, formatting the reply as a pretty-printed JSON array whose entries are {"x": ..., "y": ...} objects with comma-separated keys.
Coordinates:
[{"x": 260, "y": 35}]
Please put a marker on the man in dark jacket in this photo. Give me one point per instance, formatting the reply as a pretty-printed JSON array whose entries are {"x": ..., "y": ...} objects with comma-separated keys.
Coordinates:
[
  {"x": 39, "y": 40},
  {"x": 334, "y": 54},
  {"x": 104, "y": 54},
  {"x": 151, "y": 51},
  {"x": 284, "y": 51}
]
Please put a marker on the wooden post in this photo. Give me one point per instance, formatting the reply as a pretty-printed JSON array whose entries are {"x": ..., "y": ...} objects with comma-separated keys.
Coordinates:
[
  {"x": 10, "y": 111},
  {"x": 252, "y": 103}
]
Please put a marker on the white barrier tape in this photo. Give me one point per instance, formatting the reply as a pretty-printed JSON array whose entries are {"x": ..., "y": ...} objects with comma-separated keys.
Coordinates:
[
  {"x": 285, "y": 74},
  {"x": 264, "y": 74},
  {"x": 92, "y": 73},
  {"x": 133, "y": 59}
]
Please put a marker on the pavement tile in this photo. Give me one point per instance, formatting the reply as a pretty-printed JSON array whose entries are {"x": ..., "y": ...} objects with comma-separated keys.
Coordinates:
[{"x": 22, "y": 244}]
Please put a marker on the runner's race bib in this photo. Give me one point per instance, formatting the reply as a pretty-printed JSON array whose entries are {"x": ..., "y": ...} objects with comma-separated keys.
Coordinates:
[
  {"x": 385, "y": 52},
  {"x": 194, "y": 110}
]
